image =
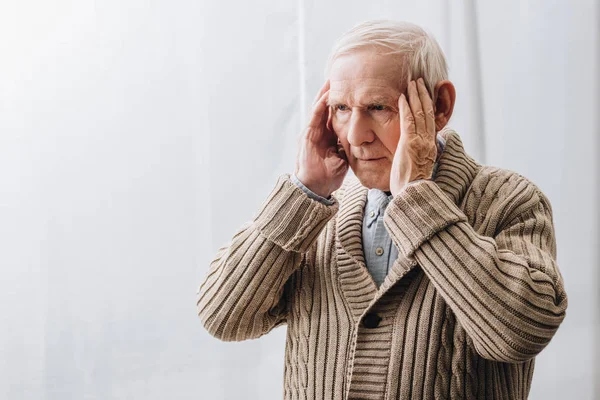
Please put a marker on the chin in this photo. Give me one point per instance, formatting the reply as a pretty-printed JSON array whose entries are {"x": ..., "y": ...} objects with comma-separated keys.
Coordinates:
[{"x": 372, "y": 175}]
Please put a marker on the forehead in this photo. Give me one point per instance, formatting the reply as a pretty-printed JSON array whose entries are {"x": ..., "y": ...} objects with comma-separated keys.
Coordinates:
[{"x": 362, "y": 75}]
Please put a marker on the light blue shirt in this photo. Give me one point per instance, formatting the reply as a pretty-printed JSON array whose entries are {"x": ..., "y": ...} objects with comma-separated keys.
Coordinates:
[{"x": 378, "y": 248}]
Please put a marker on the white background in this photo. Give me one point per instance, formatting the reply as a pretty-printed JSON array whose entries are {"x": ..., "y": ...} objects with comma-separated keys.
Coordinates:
[{"x": 136, "y": 136}]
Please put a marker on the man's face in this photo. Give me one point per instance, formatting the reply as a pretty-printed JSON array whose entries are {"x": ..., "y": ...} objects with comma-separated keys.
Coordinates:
[{"x": 363, "y": 96}]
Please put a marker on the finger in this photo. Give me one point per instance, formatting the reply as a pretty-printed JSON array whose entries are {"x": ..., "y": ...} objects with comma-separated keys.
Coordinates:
[
  {"x": 323, "y": 89},
  {"x": 416, "y": 108},
  {"x": 340, "y": 165},
  {"x": 427, "y": 104},
  {"x": 317, "y": 131},
  {"x": 331, "y": 135},
  {"x": 318, "y": 111},
  {"x": 407, "y": 121},
  {"x": 337, "y": 152},
  {"x": 340, "y": 149}
]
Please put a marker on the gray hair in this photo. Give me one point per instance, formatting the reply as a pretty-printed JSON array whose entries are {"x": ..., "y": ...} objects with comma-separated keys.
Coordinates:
[{"x": 421, "y": 54}]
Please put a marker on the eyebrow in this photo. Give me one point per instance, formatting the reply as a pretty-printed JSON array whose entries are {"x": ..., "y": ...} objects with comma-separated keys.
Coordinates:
[{"x": 371, "y": 99}]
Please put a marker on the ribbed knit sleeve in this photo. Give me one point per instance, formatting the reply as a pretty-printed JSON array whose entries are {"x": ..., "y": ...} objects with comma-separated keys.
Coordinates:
[
  {"x": 506, "y": 291},
  {"x": 247, "y": 289}
]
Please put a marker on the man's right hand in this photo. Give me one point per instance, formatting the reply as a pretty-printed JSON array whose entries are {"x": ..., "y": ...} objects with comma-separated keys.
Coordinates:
[{"x": 319, "y": 165}]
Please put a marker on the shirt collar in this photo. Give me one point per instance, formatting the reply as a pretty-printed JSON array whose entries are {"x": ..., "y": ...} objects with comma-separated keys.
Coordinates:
[{"x": 377, "y": 201}]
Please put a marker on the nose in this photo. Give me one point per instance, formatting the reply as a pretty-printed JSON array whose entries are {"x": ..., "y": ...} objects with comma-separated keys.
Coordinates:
[{"x": 359, "y": 130}]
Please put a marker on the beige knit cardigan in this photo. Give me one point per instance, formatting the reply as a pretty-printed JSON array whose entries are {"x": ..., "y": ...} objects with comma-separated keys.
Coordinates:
[{"x": 474, "y": 295}]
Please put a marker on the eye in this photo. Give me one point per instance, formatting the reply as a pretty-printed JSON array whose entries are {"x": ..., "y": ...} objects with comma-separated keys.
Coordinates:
[
  {"x": 378, "y": 107},
  {"x": 341, "y": 107}
]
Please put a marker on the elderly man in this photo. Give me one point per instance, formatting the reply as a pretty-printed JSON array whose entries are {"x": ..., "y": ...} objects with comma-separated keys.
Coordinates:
[{"x": 425, "y": 275}]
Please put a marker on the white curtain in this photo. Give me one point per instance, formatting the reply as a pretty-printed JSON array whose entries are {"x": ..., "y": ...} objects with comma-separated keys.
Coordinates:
[{"x": 136, "y": 136}]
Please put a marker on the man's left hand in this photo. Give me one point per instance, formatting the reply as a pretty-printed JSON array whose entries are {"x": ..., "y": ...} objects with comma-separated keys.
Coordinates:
[{"x": 417, "y": 148}]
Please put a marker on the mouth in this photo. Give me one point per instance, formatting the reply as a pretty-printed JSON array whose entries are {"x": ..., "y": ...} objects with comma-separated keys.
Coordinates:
[{"x": 371, "y": 159}]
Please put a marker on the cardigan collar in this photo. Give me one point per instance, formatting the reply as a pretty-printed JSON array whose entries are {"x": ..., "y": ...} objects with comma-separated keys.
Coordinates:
[{"x": 455, "y": 173}]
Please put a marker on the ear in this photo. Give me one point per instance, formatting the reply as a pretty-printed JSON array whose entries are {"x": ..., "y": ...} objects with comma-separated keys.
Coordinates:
[{"x": 444, "y": 98}]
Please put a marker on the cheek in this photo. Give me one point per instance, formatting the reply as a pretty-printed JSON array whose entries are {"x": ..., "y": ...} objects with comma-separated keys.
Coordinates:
[
  {"x": 338, "y": 128},
  {"x": 387, "y": 130},
  {"x": 390, "y": 135}
]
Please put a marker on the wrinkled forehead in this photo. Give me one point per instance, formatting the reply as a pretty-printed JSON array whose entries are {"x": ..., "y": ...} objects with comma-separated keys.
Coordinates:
[
  {"x": 363, "y": 91},
  {"x": 357, "y": 75}
]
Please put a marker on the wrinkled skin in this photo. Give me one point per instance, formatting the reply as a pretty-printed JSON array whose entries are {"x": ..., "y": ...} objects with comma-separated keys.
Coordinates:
[{"x": 367, "y": 118}]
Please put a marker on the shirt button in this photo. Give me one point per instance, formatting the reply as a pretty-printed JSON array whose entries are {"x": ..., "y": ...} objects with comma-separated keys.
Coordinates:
[
  {"x": 371, "y": 320},
  {"x": 372, "y": 213},
  {"x": 379, "y": 251}
]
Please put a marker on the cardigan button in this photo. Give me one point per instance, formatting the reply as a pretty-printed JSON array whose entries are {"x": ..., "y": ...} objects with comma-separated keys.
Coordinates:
[{"x": 371, "y": 320}]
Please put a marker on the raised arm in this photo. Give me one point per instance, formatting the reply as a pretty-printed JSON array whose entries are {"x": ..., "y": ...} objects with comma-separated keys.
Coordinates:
[
  {"x": 506, "y": 291},
  {"x": 247, "y": 289}
]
